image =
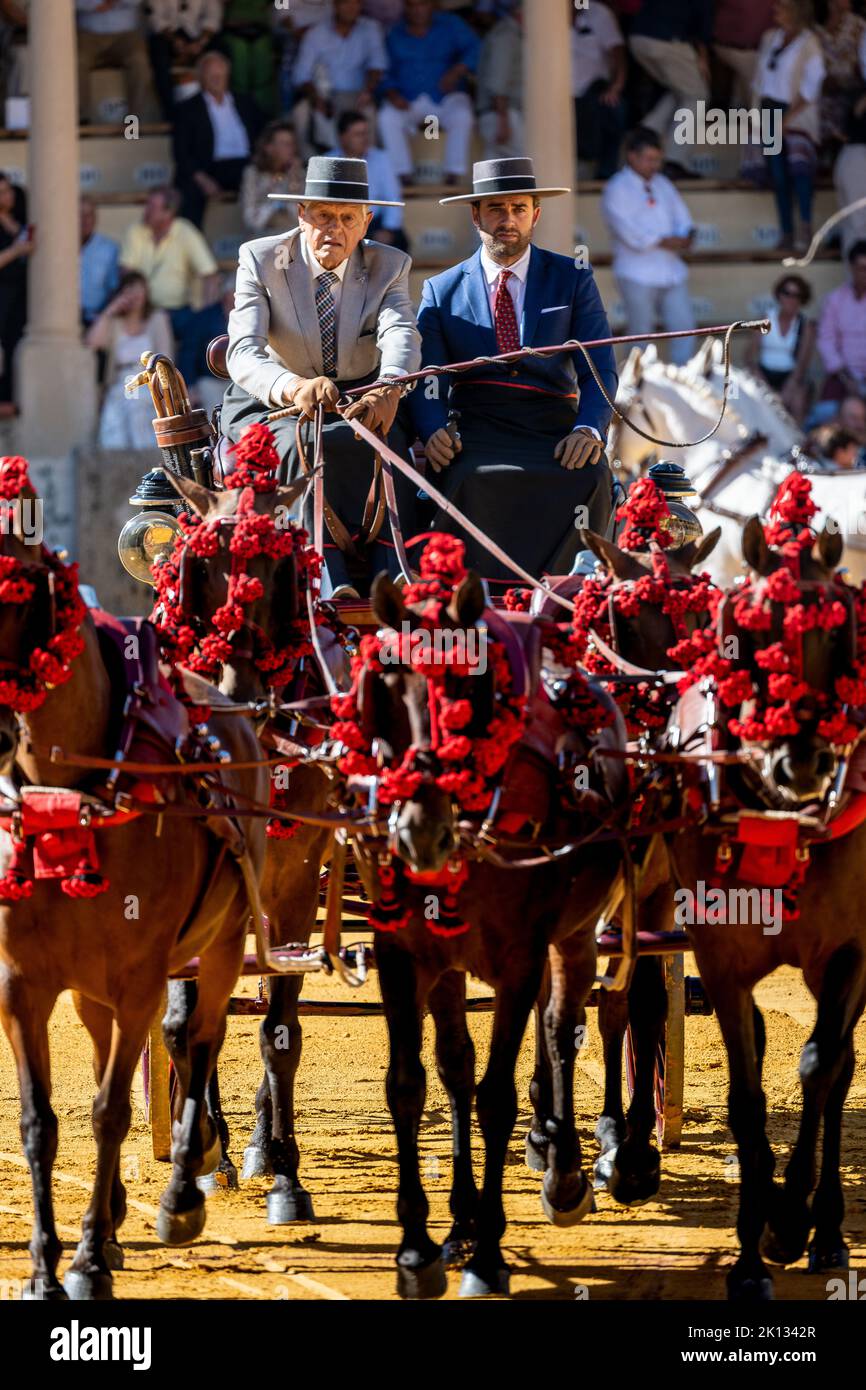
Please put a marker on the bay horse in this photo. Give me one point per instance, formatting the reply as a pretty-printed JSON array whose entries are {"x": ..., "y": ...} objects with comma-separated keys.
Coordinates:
[
  {"x": 294, "y": 855},
  {"x": 798, "y": 641},
  {"x": 164, "y": 899}
]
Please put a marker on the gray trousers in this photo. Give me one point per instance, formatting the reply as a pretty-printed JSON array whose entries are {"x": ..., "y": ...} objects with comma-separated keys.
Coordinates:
[{"x": 648, "y": 306}]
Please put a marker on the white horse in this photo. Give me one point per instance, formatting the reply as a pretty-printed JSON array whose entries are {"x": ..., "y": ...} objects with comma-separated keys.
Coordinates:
[{"x": 737, "y": 471}]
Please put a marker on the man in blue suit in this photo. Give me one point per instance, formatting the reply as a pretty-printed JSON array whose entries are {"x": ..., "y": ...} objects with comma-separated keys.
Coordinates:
[{"x": 519, "y": 446}]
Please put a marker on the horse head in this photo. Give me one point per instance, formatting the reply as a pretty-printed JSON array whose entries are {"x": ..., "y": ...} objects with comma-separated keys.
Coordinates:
[{"x": 433, "y": 684}]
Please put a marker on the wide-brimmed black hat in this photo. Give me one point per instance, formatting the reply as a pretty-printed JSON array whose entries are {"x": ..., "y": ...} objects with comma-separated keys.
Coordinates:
[
  {"x": 336, "y": 181},
  {"x": 494, "y": 176}
]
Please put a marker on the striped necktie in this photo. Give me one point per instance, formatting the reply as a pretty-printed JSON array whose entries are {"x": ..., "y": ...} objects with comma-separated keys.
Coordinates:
[{"x": 327, "y": 311}]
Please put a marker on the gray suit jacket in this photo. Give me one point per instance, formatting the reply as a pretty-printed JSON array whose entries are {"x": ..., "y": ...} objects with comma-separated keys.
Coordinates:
[{"x": 274, "y": 327}]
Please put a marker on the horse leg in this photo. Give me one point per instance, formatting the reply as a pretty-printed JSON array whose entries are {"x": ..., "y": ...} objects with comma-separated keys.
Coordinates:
[
  {"x": 828, "y": 1249},
  {"x": 455, "y": 1060},
  {"x": 496, "y": 1105},
  {"x": 610, "y": 1130},
  {"x": 89, "y": 1276},
  {"x": 99, "y": 1022},
  {"x": 822, "y": 1060},
  {"x": 566, "y": 1195},
  {"x": 25, "y": 1012},
  {"x": 637, "y": 1164},
  {"x": 226, "y": 1174},
  {"x": 540, "y": 1089},
  {"x": 749, "y": 1279},
  {"x": 287, "y": 1200},
  {"x": 420, "y": 1270}
]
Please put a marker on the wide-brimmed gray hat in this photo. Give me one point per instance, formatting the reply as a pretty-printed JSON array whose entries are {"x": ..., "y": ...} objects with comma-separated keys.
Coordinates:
[
  {"x": 492, "y": 177},
  {"x": 336, "y": 181}
]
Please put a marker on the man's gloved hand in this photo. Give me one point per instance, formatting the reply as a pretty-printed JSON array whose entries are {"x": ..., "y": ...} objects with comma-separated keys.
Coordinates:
[
  {"x": 312, "y": 392},
  {"x": 578, "y": 449},
  {"x": 376, "y": 409},
  {"x": 441, "y": 449}
]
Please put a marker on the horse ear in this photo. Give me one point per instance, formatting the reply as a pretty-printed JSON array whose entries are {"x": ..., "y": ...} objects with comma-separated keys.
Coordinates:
[
  {"x": 619, "y": 562},
  {"x": 387, "y": 601},
  {"x": 830, "y": 545},
  {"x": 199, "y": 498},
  {"x": 756, "y": 552},
  {"x": 469, "y": 601},
  {"x": 694, "y": 552},
  {"x": 631, "y": 372},
  {"x": 702, "y": 362}
]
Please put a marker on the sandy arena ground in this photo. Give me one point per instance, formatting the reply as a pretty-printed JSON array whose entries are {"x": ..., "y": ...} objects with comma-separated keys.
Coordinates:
[{"x": 675, "y": 1247}]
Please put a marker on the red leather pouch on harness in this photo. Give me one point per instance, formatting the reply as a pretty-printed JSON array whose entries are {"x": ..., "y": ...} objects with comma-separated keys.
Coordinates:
[
  {"x": 60, "y": 842},
  {"x": 769, "y": 850}
]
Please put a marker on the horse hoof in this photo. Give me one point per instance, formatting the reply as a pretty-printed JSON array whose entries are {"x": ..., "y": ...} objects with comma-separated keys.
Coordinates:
[
  {"x": 285, "y": 1207},
  {"x": 422, "y": 1281},
  {"x": 821, "y": 1260},
  {"x": 180, "y": 1227},
  {"x": 536, "y": 1153},
  {"x": 576, "y": 1211},
  {"x": 749, "y": 1289},
  {"x": 88, "y": 1288},
  {"x": 635, "y": 1188},
  {"x": 222, "y": 1179},
  {"x": 475, "y": 1285},
  {"x": 456, "y": 1253},
  {"x": 112, "y": 1253},
  {"x": 783, "y": 1247},
  {"x": 39, "y": 1290},
  {"x": 256, "y": 1163},
  {"x": 602, "y": 1170}
]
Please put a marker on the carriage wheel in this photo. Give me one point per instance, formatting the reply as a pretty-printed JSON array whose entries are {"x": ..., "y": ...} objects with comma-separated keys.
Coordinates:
[
  {"x": 670, "y": 1062},
  {"x": 156, "y": 1071}
]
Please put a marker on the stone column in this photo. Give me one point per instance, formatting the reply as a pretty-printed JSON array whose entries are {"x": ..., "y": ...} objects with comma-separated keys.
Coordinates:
[
  {"x": 56, "y": 382},
  {"x": 549, "y": 113}
]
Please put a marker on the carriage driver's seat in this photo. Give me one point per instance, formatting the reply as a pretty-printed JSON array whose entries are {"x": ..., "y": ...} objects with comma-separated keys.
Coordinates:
[{"x": 215, "y": 356}]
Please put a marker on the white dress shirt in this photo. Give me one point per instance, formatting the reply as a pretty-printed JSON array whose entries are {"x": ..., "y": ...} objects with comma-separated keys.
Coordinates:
[
  {"x": 594, "y": 36},
  {"x": 347, "y": 58},
  {"x": 230, "y": 139},
  {"x": 639, "y": 215},
  {"x": 776, "y": 82},
  {"x": 516, "y": 284}
]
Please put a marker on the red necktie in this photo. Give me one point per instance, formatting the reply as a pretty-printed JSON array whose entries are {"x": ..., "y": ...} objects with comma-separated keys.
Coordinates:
[{"x": 504, "y": 317}]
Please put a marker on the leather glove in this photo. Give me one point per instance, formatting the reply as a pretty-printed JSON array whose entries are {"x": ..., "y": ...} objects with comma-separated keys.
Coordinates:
[
  {"x": 376, "y": 409},
  {"x": 441, "y": 449},
  {"x": 312, "y": 392},
  {"x": 578, "y": 449}
]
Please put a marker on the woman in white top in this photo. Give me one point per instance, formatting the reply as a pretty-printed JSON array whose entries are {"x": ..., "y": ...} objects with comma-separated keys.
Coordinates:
[
  {"x": 127, "y": 327},
  {"x": 276, "y": 168},
  {"x": 784, "y": 356},
  {"x": 789, "y": 76}
]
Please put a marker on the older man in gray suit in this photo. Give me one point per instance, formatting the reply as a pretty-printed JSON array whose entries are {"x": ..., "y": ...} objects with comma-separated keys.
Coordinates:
[{"x": 316, "y": 312}]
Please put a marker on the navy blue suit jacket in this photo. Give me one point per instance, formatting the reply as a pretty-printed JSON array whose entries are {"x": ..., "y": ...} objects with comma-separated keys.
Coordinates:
[{"x": 561, "y": 302}]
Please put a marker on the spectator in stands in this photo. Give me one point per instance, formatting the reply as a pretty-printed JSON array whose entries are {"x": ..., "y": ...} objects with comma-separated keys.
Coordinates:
[
  {"x": 386, "y": 12},
  {"x": 289, "y": 27},
  {"x": 840, "y": 37},
  {"x": 214, "y": 132},
  {"x": 842, "y": 334},
  {"x": 783, "y": 358},
  {"x": 849, "y": 174},
  {"x": 179, "y": 267},
  {"x": 431, "y": 57},
  {"x": 670, "y": 39},
  {"x": 598, "y": 73},
  {"x": 650, "y": 226},
  {"x": 276, "y": 168},
  {"x": 14, "y": 19},
  {"x": 247, "y": 39},
  {"x": 355, "y": 142},
  {"x": 181, "y": 30},
  {"x": 852, "y": 417},
  {"x": 110, "y": 35},
  {"x": 740, "y": 25},
  {"x": 788, "y": 77},
  {"x": 97, "y": 264},
  {"x": 500, "y": 88},
  {"x": 833, "y": 448},
  {"x": 339, "y": 66},
  {"x": 16, "y": 244},
  {"x": 127, "y": 327}
]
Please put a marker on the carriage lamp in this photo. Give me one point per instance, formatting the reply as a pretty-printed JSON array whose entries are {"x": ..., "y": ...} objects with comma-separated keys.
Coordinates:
[
  {"x": 672, "y": 480},
  {"x": 152, "y": 531}
]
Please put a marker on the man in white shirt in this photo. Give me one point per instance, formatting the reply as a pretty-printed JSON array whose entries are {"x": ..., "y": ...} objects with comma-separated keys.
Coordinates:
[
  {"x": 110, "y": 35},
  {"x": 338, "y": 68},
  {"x": 650, "y": 226},
  {"x": 598, "y": 73},
  {"x": 214, "y": 132}
]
